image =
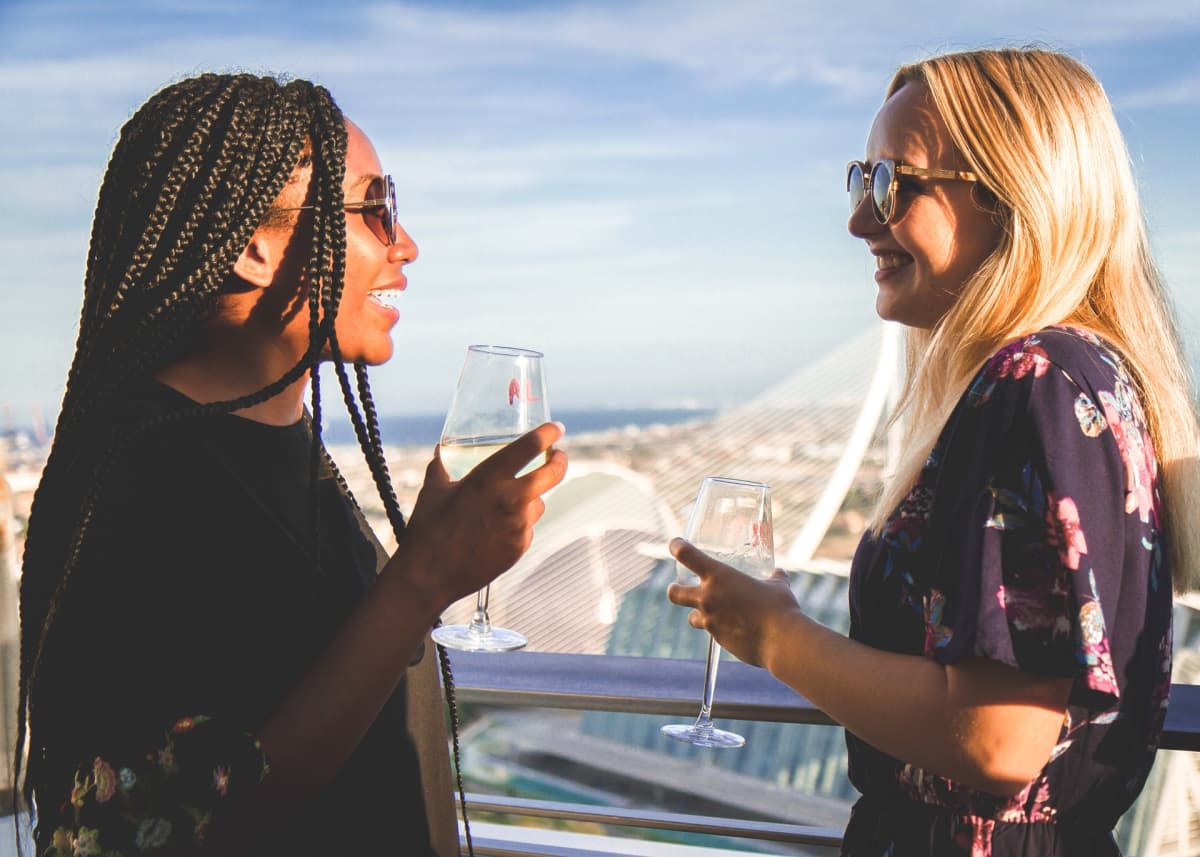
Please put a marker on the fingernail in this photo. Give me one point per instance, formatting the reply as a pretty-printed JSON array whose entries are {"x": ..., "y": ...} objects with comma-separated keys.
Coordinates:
[
  {"x": 675, "y": 546},
  {"x": 562, "y": 428}
]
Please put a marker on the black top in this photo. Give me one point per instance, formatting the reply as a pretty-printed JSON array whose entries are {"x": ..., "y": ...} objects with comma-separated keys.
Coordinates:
[
  {"x": 199, "y": 592},
  {"x": 1034, "y": 536}
]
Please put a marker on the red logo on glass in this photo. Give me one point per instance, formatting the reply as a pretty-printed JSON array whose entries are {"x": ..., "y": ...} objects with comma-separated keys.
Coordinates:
[{"x": 516, "y": 394}]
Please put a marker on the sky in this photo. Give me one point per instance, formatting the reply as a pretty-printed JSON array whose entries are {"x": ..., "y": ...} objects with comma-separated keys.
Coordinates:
[{"x": 649, "y": 191}]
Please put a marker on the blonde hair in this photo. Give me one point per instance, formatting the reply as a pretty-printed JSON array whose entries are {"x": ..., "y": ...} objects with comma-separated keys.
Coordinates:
[{"x": 1037, "y": 128}]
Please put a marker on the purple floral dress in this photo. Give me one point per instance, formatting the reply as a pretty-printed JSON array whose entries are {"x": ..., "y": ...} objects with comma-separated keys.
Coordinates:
[{"x": 1033, "y": 536}]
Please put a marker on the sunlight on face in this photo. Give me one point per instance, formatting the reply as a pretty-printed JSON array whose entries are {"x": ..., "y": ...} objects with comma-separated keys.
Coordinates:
[{"x": 938, "y": 236}]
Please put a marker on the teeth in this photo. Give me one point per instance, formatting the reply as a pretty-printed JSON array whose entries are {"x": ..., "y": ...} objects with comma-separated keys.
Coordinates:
[
  {"x": 889, "y": 261},
  {"x": 386, "y": 296}
]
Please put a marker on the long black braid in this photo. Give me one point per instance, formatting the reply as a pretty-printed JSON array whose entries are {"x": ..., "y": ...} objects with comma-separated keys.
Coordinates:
[{"x": 193, "y": 175}]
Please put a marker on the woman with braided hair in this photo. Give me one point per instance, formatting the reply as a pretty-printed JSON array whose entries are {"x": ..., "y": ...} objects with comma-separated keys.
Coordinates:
[{"x": 213, "y": 646}]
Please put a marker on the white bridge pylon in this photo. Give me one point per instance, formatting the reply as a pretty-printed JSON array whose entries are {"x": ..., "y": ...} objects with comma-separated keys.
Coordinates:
[{"x": 880, "y": 398}]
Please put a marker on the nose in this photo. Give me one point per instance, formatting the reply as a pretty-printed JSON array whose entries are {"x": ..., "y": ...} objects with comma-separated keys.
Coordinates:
[
  {"x": 404, "y": 250},
  {"x": 862, "y": 222}
]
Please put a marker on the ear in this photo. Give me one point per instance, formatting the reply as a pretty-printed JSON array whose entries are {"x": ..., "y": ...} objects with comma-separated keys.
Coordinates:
[{"x": 258, "y": 263}]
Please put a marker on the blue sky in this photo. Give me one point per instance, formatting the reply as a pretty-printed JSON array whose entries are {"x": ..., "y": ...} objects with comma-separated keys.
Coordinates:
[{"x": 650, "y": 192}]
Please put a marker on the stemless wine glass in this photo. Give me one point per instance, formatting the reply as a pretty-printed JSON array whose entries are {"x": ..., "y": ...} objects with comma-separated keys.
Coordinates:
[
  {"x": 501, "y": 394},
  {"x": 731, "y": 521}
]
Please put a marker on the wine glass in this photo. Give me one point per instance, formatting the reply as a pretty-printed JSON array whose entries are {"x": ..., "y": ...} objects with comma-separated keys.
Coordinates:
[
  {"x": 731, "y": 521},
  {"x": 501, "y": 394}
]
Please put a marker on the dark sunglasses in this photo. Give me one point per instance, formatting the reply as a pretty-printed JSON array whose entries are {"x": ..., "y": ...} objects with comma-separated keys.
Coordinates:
[
  {"x": 881, "y": 181},
  {"x": 378, "y": 210}
]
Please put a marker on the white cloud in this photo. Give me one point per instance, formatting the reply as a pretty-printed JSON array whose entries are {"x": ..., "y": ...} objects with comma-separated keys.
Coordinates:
[
  {"x": 753, "y": 42},
  {"x": 774, "y": 42},
  {"x": 582, "y": 156},
  {"x": 680, "y": 158}
]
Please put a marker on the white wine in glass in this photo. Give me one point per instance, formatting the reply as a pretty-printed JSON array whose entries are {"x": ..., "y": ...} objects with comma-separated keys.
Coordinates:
[
  {"x": 501, "y": 395},
  {"x": 731, "y": 521}
]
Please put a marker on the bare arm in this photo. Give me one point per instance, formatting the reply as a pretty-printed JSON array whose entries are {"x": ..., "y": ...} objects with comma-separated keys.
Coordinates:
[
  {"x": 977, "y": 722},
  {"x": 461, "y": 536}
]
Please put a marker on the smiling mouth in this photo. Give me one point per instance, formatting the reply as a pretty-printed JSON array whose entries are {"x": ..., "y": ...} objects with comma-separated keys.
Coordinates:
[
  {"x": 387, "y": 297},
  {"x": 891, "y": 261}
]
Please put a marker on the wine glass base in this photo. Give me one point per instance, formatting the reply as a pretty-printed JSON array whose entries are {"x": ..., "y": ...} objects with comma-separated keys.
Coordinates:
[
  {"x": 467, "y": 639},
  {"x": 689, "y": 733}
]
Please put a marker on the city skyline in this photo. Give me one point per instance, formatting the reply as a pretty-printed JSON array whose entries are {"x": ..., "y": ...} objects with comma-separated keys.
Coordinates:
[{"x": 650, "y": 192}]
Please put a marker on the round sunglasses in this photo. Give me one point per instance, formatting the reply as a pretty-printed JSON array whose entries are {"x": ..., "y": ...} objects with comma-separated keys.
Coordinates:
[
  {"x": 881, "y": 180},
  {"x": 378, "y": 210}
]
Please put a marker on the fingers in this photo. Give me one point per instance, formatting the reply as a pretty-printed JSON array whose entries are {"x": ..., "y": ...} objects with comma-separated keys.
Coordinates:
[
  {"x": 693, "y": 558},
  {"x": 516, "y": 456},
  {"x": 687, "y": 596},
  {"x": 684, "y": 596},
  {"x": 548, "y": 475}
]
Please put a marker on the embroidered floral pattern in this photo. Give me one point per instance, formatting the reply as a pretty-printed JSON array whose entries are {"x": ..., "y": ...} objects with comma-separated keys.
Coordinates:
[
  {"x": 87, "y": 843},
  {"x": 105, "y": 780},
  {"x": 221, "y": 780},
  {"x": 152, "y": 833},
  {"x": 155, "y": 806}
]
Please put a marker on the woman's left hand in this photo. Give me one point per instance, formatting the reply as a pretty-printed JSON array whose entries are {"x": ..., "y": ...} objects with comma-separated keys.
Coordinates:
[{"x": 741, "y": 612}]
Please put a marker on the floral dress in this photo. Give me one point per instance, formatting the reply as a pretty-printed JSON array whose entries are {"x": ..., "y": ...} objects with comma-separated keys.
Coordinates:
[{"x": 1033, "y": 536}]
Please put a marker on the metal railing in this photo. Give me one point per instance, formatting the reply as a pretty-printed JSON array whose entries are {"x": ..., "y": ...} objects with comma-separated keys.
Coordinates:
[{"x": 643, "y": 685}]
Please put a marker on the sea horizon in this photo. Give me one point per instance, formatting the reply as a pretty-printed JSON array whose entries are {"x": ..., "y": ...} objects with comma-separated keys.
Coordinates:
[{"x": 426, "y": 429}]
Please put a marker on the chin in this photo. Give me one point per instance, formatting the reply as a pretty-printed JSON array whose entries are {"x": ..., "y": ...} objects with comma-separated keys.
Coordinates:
[
  {"x": 371, "y": 350},
  {"x": 377, "y": 356},
  {"x": 885, "y": 308},
  {"x": 907, "y": 315}
]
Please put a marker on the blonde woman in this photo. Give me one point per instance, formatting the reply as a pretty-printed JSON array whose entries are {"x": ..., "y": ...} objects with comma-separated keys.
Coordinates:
[{"x": 1006, "y": 674}]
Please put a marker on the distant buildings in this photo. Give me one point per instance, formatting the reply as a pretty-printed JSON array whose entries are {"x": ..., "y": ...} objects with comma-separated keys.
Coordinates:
[{"x": 594, "y": 582}]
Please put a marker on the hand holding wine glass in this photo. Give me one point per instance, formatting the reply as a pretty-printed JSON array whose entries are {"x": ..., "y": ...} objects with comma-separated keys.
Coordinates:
[
  {"x": 461, "y": 535},
  {"x": 731, "y": 522},
  {"x": 741, "y": 612},
  {"x": 501, "y": 395}
]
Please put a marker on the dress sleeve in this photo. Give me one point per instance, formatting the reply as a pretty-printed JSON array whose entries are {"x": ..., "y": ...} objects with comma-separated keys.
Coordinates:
[
  {"x": 1066, "y": 514},
  {"x": 166, "y": 801}
]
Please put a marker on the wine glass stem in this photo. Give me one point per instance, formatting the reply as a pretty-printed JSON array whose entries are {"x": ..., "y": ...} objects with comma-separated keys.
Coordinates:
[
  {"x": 704, "y": 721},
  {"x": 480, "y": 623}
]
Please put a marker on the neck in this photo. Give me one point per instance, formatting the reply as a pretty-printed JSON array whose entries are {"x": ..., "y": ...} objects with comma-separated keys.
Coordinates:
[{"x": 217, "y": 372}]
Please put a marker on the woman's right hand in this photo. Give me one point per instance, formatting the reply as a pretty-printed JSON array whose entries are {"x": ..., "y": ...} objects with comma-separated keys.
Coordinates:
[
  {"x": 462, "y": 535},
  {"x": 740, "y": 611}
]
